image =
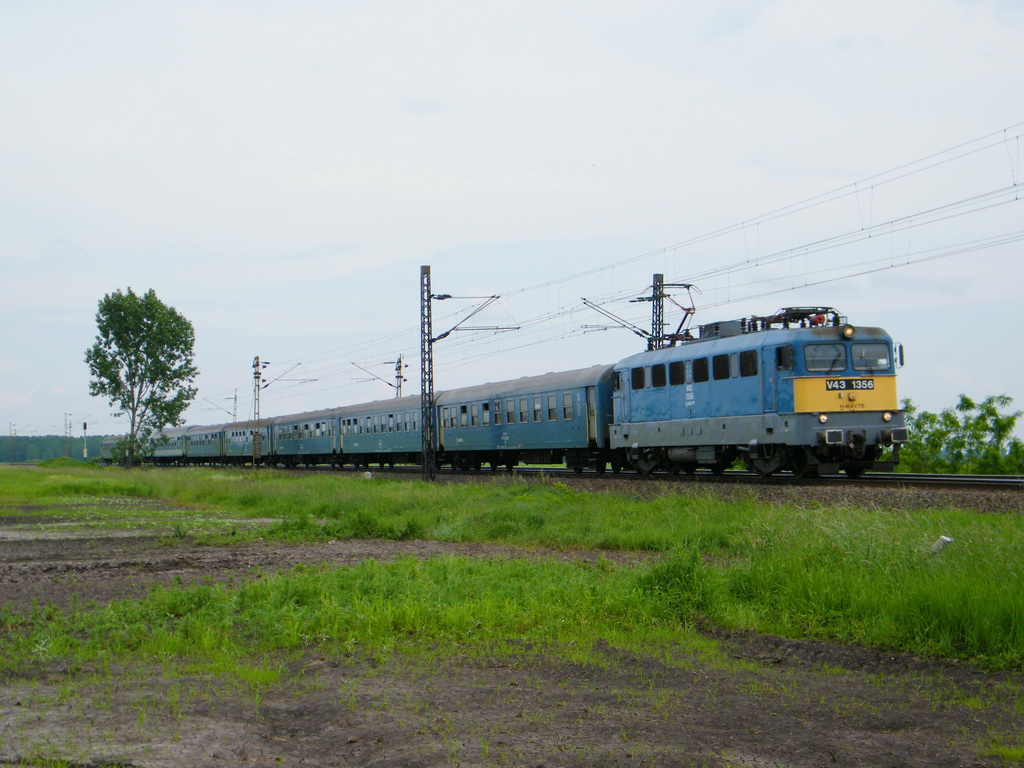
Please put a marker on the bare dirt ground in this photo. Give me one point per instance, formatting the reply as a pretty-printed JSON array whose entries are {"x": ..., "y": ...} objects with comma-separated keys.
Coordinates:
[{"x": 774, "y": 702}]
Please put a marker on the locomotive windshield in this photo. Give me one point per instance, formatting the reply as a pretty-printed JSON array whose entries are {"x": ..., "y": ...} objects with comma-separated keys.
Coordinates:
[
  {"x": 871, "y": 357},
  {"x": 825, "y": 358}
]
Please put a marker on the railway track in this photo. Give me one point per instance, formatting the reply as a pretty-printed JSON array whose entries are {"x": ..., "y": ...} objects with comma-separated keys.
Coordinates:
[{"x": 869, "y": 479}]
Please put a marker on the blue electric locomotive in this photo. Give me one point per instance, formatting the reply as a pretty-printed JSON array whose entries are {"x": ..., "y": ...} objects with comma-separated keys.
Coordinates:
[{"x": 801, "y": 391}]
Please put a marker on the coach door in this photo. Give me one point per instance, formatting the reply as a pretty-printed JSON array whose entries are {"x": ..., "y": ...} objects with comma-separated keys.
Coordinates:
[
  {"x": 769, "y": 373},
  {"x": 620, "y": 398},
  {"x": 591, "y": 417}
]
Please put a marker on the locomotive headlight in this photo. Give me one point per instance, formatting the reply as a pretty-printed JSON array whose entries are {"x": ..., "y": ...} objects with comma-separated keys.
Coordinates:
[
  {"x": 823, "y": 417},
  {"x": 886, "y": 416},
  {"x": 848, "y": 331}
]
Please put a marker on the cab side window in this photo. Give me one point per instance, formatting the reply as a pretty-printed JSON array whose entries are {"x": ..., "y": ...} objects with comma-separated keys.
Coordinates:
[
  {"x": 720, "y": 367},
  {"x": 658, "y": 375},
  {"x": 700, "y": 369},
  {"x": 748, "y": 363}
]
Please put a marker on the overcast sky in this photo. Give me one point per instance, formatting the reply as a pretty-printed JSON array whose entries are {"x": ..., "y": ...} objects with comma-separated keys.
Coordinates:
[{"x": 278, "y": 172}]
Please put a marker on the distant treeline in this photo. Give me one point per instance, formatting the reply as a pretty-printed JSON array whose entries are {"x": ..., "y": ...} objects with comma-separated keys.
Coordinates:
[{"x": 40, "y": 448}]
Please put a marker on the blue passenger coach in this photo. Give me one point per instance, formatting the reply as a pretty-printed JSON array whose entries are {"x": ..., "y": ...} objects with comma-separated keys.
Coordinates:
[
  {"x": 385, "y": 432},
  {"x": 204, "y": 445},
  {"x": 306, "y": 438},
  {"x": 535, "y": 420}
]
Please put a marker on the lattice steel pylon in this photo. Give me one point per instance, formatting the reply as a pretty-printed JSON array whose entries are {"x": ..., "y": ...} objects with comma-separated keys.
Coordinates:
[
  {"x": 657, "y": 339},
  {"x": 257, "y": 380},
  {"x": 427, "y": 426}
]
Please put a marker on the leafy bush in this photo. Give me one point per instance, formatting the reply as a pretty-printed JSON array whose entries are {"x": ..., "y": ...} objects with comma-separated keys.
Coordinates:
[{"x": 968, "y": 438}]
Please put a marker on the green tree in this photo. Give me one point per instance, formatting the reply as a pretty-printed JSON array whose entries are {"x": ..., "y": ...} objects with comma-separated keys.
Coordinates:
[
  {"x": 968, "y": 438},
  {"x": 142, "y": 363}
]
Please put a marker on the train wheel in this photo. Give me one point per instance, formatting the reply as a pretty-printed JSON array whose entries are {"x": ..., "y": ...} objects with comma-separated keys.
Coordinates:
[
  {"x": 772, "y": 458},
  {"x": 854, "y": 472},
  {"x": 646, "y": 466},
  {"x": 800, "y": 466}
]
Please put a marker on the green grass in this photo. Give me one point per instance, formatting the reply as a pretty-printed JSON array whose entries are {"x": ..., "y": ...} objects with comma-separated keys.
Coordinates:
[
  {"x": 857, "y": 575},
  {"x": 428, "y": 606}
]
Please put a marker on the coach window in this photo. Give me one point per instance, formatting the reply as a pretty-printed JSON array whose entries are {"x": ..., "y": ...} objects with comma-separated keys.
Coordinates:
[
  {"x": 523, "y": 412},
  {"x": 636, "y": 378},
  {"x": 567, "y": 406},
  {"x": 510, "y": 411},
  {"x": 700, "y": 369},
  {"x": 464, "y": 417},
  {"x": 552, "y": 407},
  {"x": 474, "y": 415},
  {"x": 497, "y": 413},
  {"x": 538, "y": 409},
  {"x": 391, "y": 422},
  {"x": 658, "y": 375},
  {"x": 720, "y": 367},
  {"x": 677, "y": 373},
  {"x": 486, "y": 414},
  {"x": 825, "y": 358},
  {"x": 870, "y": 357},
  {"x": 748, "y": 363}
]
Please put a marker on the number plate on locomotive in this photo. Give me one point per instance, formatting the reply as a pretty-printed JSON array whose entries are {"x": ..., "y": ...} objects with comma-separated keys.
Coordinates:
[{"x": 834, "y": 385}]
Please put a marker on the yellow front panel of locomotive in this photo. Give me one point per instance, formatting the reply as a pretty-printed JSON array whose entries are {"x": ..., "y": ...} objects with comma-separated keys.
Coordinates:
[{"x": 844, "y": 394}]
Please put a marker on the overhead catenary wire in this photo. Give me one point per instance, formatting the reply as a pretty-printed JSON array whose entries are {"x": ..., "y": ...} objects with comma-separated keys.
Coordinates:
[{"x": 328, "y": 365}]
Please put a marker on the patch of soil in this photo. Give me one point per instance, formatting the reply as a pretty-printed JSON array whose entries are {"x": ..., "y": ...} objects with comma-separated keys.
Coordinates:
[{"x": 773, "y": 702}]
